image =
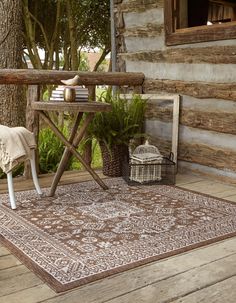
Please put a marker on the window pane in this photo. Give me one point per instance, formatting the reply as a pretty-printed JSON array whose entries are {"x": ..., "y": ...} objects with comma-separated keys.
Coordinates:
[{"x": 207, "y": 19}]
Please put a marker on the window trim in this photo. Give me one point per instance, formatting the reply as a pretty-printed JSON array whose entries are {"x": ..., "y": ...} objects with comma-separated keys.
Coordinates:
[{"x": 196, "y": 34}]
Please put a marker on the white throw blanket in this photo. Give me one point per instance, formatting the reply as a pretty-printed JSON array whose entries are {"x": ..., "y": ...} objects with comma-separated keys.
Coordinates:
[{"x": 16, "y": 146}]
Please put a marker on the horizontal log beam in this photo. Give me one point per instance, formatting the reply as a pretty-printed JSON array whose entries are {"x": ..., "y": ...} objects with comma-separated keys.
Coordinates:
[
  {"x": 222, "y": 122},
  {"x": 33, "y": 76},
  {"x": 200, "y": 90},
  {"x": 214, "y": 55},
  {"x": 150, "y": 30},
  {"x": 156, "y": 112},
  {"x": 164, "y": 146},
  {"x": 140, "y": 5},
  {"x": 210, "y": 156}
]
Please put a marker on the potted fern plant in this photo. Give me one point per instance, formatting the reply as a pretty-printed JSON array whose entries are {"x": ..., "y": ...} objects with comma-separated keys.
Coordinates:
[{"x": 114, "y": 130}]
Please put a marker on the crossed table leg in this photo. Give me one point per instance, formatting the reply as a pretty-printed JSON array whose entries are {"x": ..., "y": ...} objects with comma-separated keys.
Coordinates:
[{"x": 71, "y": 145}]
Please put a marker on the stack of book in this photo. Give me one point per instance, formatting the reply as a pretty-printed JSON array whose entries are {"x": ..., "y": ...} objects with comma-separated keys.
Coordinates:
[{"x": 81, "y": 93}]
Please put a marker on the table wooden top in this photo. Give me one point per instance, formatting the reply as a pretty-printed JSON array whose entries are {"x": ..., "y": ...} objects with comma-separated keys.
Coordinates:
[{"x": 90, "y": 106}]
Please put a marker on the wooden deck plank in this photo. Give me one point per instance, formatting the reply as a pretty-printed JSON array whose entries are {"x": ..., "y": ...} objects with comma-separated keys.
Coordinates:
[
  {"x": 13, "y": 272},
  {"x": 225, "y": 194},
  {"x": 231, "y": 198},
  {"x": 3, "y": 251},
  {"x": 182, "y": 284},
  {"x": 8, "y": 261},
  {"x": 129, "y": 281},
  {"x": 30, "y": 295},
  {"x": 187, "y": 179},
  {"x": 221, "y": 292},
  {"x": 208, "y": 187},
  {"x": 18, "y": 282},
  {"x": 68, "y": 177},
  {"x": 116, "y": 285}
]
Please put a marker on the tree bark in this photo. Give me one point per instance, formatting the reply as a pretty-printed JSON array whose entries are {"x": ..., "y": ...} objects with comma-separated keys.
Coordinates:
[
  {"x": 72, "y": 33},
  {"x": 12, "y": 100},
  {"x": 105, "y": 52}
]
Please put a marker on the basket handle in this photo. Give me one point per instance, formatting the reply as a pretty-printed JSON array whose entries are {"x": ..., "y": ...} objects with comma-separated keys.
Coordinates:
[{"x": 171, "y": 156}]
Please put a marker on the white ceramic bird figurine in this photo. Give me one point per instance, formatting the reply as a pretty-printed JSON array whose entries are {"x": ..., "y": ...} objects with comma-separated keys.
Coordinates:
[{"x": 72, "y": 82}]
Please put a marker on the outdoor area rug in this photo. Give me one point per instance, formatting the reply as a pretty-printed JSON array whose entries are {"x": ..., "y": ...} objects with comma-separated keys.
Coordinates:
[{"x": 85, "y": 233}]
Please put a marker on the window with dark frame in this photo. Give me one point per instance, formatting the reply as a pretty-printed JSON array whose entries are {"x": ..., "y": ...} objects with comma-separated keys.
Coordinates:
[{"x": 192, "y": 21}]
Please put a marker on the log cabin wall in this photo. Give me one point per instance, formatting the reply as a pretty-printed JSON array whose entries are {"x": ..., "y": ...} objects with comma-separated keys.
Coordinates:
[{"x": 203, "y": 74}]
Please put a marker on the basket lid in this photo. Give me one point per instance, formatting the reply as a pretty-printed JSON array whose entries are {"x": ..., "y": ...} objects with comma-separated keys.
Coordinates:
[{"x": 147, "y": 152}]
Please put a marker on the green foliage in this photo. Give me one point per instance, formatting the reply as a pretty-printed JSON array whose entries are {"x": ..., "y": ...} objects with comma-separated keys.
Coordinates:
[
  {"x": 93, "y": 22},
  {"x": 99, "y": 92},
  {"x": 17, "y": 171},
  {"x": 96, "y": 152},
  {"x": 44, "y": 12},
  {"x": 123, "y": 123},
  {"x": 96, "y": 157},
  {"x": 83, "y": 63},
  {"x": 103, "y": 67},
  {"x": 49, "y": 25},
  {"x": 50, "y": 151}
]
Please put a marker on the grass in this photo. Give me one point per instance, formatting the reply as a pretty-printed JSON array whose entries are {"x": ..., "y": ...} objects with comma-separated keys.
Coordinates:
[
  {"x": 96, "y": 158},
  {"x": 51, "y": 150}
]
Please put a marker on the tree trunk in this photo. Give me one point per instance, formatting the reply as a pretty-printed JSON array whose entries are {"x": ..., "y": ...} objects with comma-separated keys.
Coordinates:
[
  {"x": 30, "y": 40},
  {"x": 72, "y": 33},
  {"x": 12, "y": 99}
]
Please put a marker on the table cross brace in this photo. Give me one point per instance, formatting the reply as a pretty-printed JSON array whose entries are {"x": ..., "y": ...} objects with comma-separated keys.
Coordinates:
[{"x": 71, "y": 145}]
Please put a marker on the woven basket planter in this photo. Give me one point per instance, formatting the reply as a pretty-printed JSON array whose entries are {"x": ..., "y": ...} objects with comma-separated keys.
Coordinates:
[{"x": 113, "y": 159}]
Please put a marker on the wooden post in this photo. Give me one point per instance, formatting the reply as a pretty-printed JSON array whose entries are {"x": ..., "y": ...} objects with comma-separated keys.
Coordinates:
[
  {"x": 138, "y": 89},
  {"x": 91, "y": 92},
  {"x": 87, "y": 153},
  {"x": 32, "y": 123}
]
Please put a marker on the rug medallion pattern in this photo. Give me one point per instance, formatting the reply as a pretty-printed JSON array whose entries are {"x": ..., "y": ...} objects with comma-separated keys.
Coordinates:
[{"x": 85, "y": 233}]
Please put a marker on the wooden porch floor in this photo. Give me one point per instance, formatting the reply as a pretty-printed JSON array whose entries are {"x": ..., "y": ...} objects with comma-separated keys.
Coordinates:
[{"x": 206, "y": 274}]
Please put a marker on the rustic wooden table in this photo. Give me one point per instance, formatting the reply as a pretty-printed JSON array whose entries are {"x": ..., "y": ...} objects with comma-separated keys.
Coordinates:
[{"x": 85, "y": 110}]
